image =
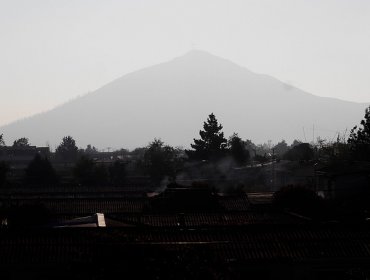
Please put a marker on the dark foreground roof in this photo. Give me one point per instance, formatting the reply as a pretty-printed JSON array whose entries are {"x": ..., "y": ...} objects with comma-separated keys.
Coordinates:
[
  {"x": 237, "y": 249},
  {"x": 89, "y": 206}
]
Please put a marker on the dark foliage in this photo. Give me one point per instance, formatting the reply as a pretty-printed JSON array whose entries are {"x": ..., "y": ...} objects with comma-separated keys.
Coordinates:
[
  {"x": 295, "y": 143},
  {"x": 4, "y": 169},
  {"x": 21, "y": 142},
  {"x": 359, "y": 139},
  {"x": 301, "y": 152},
  {"x": 117, "y": 173},
  {"x": 28, "y": 215},
  {"x": 161, "y": 160},
  {"x": 40, "y": 172},
  {"x": 2, "y": 142},
  {"x": 90, "y": 150},
  {"x": 261, "y": 158},
  {"x": 300, "y": 200},
  {"x": 179, "y": 199},
  {"x": 238, "y": 150},
  {"x": 212, "y": 143},
  {"x": 67, "y": 150},
  {"x": 87, "y": 173},
  {"x": 280, "y": 149}
]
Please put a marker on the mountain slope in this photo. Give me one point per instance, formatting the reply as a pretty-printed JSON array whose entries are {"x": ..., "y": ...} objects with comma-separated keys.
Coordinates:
[{"x": 171, "y": 100}]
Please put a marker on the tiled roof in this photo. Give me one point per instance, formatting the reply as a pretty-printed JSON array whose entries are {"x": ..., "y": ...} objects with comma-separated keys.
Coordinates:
[
  {"x": 95, "y": 205},
  {"x": 87, "y": 206},
  {"x": 234, "y": 203},
  {"x": 204, "y": 219},
  {"x": 238, "y": 244},
  {"x": 73, "y": 204}
]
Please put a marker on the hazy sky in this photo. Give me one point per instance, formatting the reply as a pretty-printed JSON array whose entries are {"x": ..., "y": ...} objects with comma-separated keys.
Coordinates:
[{"x": 52, "y": 51}]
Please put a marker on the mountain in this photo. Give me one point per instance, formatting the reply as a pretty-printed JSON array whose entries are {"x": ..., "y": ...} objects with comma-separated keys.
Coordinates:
[{"x": 171, "y": 100}]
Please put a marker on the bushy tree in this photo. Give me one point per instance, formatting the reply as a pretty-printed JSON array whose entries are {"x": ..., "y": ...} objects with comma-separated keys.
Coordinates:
[
  {"x": 90, "y": 150},
  {"x": 261, "y": 158},
  {"x": 359, "y": 139},
  {"x": 251, "y": 147},
  {"x": 67, "y": 150},
  {"x": 301, "y": 152},
  {"x": 295, "y": 143},
  {"x": 281, "y": 148},
  {"x": 2, "y": 142},
  {"x": 264, "y": 149},
  {"x": 88, "y": 173},
  {"x": 4, "y": 169},
  {"x": 299, "y": 199},
  {"x": 212, "y": 143},
  {"x": 117, "y": 173},
  {"x": 28, "y": 215},
  {"x": 238, "y": 150},
  {"x": 40, "y": 172},
  {"x": 161, "y": 160},
  {"x": 21, "y": 142}
]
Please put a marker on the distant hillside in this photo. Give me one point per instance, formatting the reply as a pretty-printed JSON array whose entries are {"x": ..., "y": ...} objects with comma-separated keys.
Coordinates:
[{"x": 171, "y": 100}]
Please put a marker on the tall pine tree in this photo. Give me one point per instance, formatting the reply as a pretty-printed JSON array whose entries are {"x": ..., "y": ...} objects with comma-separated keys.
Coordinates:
[
  {"x": 238, "y": 150},
  {"x": 359, "y": 139},
  {"x": 212, "y": 143}
]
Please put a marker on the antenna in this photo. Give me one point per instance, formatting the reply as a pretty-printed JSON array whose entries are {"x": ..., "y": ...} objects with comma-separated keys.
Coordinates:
[
  {"x": 313, "y": 133},
  {"x": 335, "y": 134},
  {"x": 345, "y": 136},
  {"x": 304, "y": 134}
]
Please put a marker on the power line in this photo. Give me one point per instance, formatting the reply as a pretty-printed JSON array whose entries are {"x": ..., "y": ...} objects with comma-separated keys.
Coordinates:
[{"x": 304, "y": 134}]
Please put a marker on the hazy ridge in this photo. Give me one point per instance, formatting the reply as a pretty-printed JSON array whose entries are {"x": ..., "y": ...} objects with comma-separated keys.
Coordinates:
[{"x": 171, "y": 100}]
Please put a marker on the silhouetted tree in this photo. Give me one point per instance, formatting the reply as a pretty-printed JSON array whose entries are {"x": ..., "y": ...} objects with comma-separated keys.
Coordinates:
[
  {"x": 121, "y": 152},
  {"x": 28, "y": 215},
  {"x": 295, "y": 143},
  {"x": 299, "y": 199},
  {"x": 139, "y": 152},
  {"x": 251, "y": 147},
  {"x": 281, "y": 148},
  {"x": 83, "y": 170},
  {"x": 100, "y": 175},
  {"x": 90, "y": 150},
  {"x": 137, "y": 157},
  {"x": 359, "y": 139},
  {"x": 238, "y": 150},
  {"x": 2, "y": 142},
  {"x": 67, "y": 150},
  {"x": 160, "y": 160},
  {"x": 264, "y": 150},
  {"x": 117, "y": 173},
  {"x": 333, "y": 151},
  {"x": 212, "y": 143},
  {"x": 4, "y": 169},
  {"x": 40, "y": 172},
  {"x": 21, "y": 142},
  {"x": 300, "y": 152},
  {"x": 261, "y": 158},
  {"x": 87, "y": 173}
]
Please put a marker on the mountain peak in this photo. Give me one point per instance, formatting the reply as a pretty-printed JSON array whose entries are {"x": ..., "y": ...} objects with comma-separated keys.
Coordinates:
[
  {"x": 170, "y": 100},
  {"x": 199, "y": 55},
  {"x": 202, "y": 61},
  {"x": 197, "y": 52}
]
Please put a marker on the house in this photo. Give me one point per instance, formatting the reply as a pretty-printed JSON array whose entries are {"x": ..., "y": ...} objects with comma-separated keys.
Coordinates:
[
  {"x": 342, "y": 180},
  {"x": 96, "y": 220}
]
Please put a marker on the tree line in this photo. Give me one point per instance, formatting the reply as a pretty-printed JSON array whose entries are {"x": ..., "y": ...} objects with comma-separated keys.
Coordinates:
[{"x": 158, "y": 160}]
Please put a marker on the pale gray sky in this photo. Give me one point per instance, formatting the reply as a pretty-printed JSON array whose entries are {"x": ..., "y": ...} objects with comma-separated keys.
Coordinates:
[{"x": 52, "y": 51}]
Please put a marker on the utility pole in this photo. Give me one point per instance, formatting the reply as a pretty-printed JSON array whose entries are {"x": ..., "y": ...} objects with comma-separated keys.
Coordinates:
[
  {"x": 273, "y": 170},
  {"x": 313, "y": 134}
]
